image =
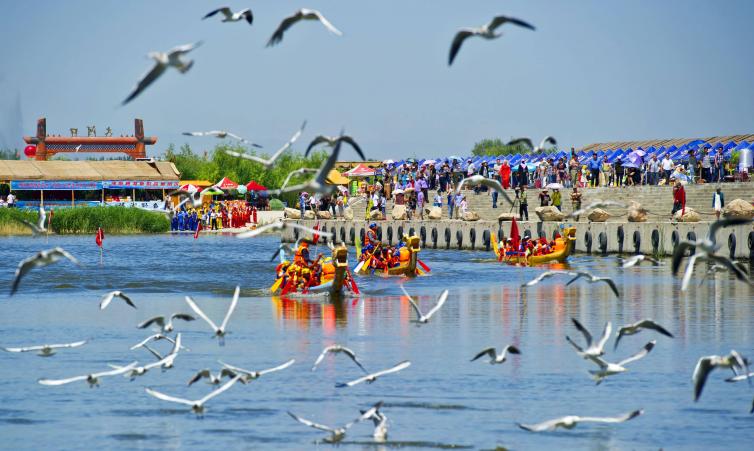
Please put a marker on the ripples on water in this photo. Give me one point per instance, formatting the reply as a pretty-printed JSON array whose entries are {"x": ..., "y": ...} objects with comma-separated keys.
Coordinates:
[{"x": 441, "y": 400}]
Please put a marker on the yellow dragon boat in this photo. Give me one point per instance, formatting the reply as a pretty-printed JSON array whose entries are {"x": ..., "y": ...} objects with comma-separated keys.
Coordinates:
[
  {"x": 335, "y": 278},
  {"x": 409, "y": 258},
  {"x": 563, "y": 247}
]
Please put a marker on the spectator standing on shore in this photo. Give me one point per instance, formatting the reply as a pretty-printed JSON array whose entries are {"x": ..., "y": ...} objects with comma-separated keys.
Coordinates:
[
  {"x": 692, "y": 166},
  {"x": 718, "y": 164},
  {"x": 594, "y": 170},
  {"x": 574, "y": 168},
  {"x": 451, "y": 203},
  {"x": 302, "y": 203},
  {"x": 667, "y": 168},
  {"x": 679, "y": 199},
  {"x": 706, "y": 165},
  {"x": 653, "y": 171},
  {"x": 606, "y": 172},
  {"x": 718, "y": 200},
  {"x": 576, "y": 200},
  {"x": 420, "y": 203},
  {"x": 556, "y": 199},
  {"x": 544, "y": 198},
  {"x": 11, "y": 200},
  {"x": 523, "y": 202},
  {"x": 562, "y": 173},
  {"x": 618, "y": 171},
  {"x": 470, "y": 168},
  {"x": 438, "y": 200},
  {"x": 464, "y": 206},
  {"x": 523, "y": 174},
  {"x": 457, "y": 202}
]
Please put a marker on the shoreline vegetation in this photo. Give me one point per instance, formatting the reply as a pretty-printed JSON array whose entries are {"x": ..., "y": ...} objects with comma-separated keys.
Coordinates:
[{"x": 86, "y": 220}]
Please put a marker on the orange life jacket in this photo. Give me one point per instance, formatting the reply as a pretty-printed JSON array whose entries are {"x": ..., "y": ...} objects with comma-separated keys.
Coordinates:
[{"x": 299, "y": 257}]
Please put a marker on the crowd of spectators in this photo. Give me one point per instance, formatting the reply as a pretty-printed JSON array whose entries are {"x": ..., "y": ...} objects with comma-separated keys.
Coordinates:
[{"x": 215, "y": 215}]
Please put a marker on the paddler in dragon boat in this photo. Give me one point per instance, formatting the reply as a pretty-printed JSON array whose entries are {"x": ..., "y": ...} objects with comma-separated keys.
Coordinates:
[
  {"x": 305, "y": 274},
  {"x": 380, "y": 256}
]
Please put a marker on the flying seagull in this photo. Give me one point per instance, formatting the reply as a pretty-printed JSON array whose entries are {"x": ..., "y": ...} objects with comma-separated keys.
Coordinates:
[
  {"x": 172, "y": 58},
  {"x": 496, "y": 358},
  {"x": 545, "y": 275},
  {"x": 155, "y": 337},
  {"x": 142, "y": 370},
  {"x": 278, "y": 226},
  {"x": 286, "y": 249},
  {"x": 594, "y": 279},
  {"x": 369, "y": 378},
  {"x": 92, "y": 379},
  {"x": 485, "y": 31},
  {"x": 706, "y": 364},
  {"x": 331, "y": 141},
  {"x": 740, "y": 377},
  {"x": 301, "y": 14},
  {"x": 421, "y": 317},
  {"x": 249, "y": 375},
  {"x": 570, "y": 422},
  {"x": 168, "y": 360},
  {"x": 594, "y": 205},
  {"x": 108, "y": 298},
  {"x": 705, "y": 249},
  {"x": 230, "y": 16},
  {"x": 635, "y": 328},
  {"x": 269, "y": 162},
  {"x": 610, "y": 369},
  {"x": 213, "y": 379},
  {"x": 482, "y": 180},
  {"x": 197, "y": 406},
  {"x": 592, "y": 348},
  {"x": 165, "y": 326},
  {"x": 46, "y": 350},
  {"x": 219, "y": 331},
  {"x": 39, "y": 260},
  {"x": 338, "y": 349},
  {"x": 38, "y": 228},
  {"x": 301, "y": 171},
  {"x": 380, "y": 422},
  {"x": 222, "y": 134},
  {"x": 636, "y": 259},
  {"x": 527, "y": 142},
  {"x": 336, "y": 434}
]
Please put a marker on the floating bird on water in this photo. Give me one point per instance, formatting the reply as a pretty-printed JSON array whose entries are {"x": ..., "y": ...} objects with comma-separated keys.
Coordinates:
[
  {"x": 369, "y": 378},
  {"x": 281, "y": 225},
  {"x": 570, "y": 422},
  {"x": 705, "y": 249},
  {"x": 46, "y": 350},
  {"x": 269, "y": 162},
  {"x": 485, "y": 31},
  {"x": 591, "y": 278},
  {"x": 230, "y": 16},
  {"x": 421, "y": 317},
  {"x": 165, "y": 326},
  {"x": 482, "y": 180},
  {"x": 635, "y": 328},
  {"x": 38, "y": 228},
  {"x": 301, "y": 14},
  {"x": 249, "y": 375},
  {"x": 707, "y": 364},
  {"x": 213, "y": 379},
  {"x": 222, "y": 134},
  {"x": 610, "y": 369},
  {"x": 380, "y": 422},
  {"x": 92, "y": 379},
  {"x": 496, "y": 358},
  {"x": 636, "y": 259},
  {"x": 108, "y": 298},
  {"x": 332, "y": 141},
  {"x": 39, "y": 260},
  {"x": 172, "y": 58},
  {"x": 592, "y": 348},
  {"x": 595, "y": 205},
  {"x": 338, "y": 349},
  {"x": 197, "y": 406},
  {"x": 527, "y": 142},
  {"x": 219, "y": 331}
]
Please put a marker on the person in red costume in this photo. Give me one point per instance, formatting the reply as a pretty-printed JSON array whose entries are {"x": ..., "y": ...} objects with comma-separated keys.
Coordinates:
[
  {"x": 505, "y": 174},
  {"x": 679, "y": 198}
]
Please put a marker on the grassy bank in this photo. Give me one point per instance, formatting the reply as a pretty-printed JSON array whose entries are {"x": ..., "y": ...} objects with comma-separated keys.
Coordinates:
[{"x": 85, "y": 220}]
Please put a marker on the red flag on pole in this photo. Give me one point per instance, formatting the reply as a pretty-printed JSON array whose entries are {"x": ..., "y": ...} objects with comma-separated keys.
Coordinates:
[
  {"x": 514, "y": 235},
  {"x": 198, "y": 229},
  {"x": 99, "y": 237},
  {"x": 315, "y": 238}
]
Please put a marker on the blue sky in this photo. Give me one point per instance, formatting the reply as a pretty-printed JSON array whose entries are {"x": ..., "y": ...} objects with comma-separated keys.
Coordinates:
[{"x": 593, "y": 71}]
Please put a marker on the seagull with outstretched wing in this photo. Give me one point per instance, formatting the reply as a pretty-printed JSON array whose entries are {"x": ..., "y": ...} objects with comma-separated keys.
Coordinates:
[
  {"x": 421, "y": 317},
  {"x": 301, "y": 14},
  {"x": 495, "y": 358},
  {"x": 222, "y": 329},
  {"x": 230, "y": 16},
  {"x": 486, "y": 31},
  {"x": 610, "y": 369},
  {"x": 269, "y": 162},
  {"x": 197, "y": 406},
  {"x": 593, "y": 348},
  {"x": 591, "y": 278},
  {"x": 707, "y": 364},
  {"x": 369, "y": 378},
  {"x": 222, "y": 134},
  {"x": 108, "y": 298},
  {"x": 39, "y": 260},
  {"x": 278, "y": 226},
  {"x": 331, "y": 141},
  {"x": 337, "y": 349},
  {"x": 93, "y": 379},
  {"x": 38, "y": 228},
  {"x": 250, "y": 375},
  {"x": 635, "y": 328},
  {"x": 166, "y": 324},
  {"x": 162, "y": 61},
  {"x": 46, "y": 350},
  {"x": 570, "y": 421},
  {"x": 484, "y": 181}
]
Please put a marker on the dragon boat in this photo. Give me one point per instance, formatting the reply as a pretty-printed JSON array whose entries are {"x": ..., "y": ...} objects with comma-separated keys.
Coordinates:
[
  {"x": 407, "y": 263},
  {"x": 335, "y": 280},
  {"x": 564, "y": 245}
]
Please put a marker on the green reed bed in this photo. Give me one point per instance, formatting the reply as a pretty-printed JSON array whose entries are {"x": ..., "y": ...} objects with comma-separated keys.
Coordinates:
[
  {"x": 10, "y": 221},
  {"x": 83, "y": 220}
]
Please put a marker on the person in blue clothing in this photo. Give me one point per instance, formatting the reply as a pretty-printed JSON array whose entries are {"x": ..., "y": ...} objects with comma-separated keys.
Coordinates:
[
  {"x": 594, "y": 166},
  {"x": 451, "y": 203}
]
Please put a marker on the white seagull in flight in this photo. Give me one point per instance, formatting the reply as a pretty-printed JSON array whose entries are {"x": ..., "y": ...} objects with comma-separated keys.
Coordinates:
[
  {"x": 496, "y": 358},
  {"x": 165, "y": 326},
  {"x": 707, "y": 364},
  {"x": 301, "y": 14},
  {"x": 197, "y": 406},
  {"x": 486, "y": 31},
  {"x": 172, "y": 58},
  {"x": 482, "y": 180},
  {"x": 38, "y": 228},
  {"x": 92, "y": 379},
  {"x": 39, "y": 260},
  {"x": 593, "y": 348},
  {"x": 421, "y": 317},
  {"x": 610, "y": 369},
  {"x": 269, "y": 162},
  {"x": 570, "y": 421},
  {"x": 46, "y": 350},
  {"x": 222, "y": 329},
  {"x": 280, "y": 225},
  {"x": 635, "y": 328},
  {"x": 230, "y": 16},
  {"x": 332, "y": 141},
  {"x": 338, "y": 349},
  {"x": 108, "y": 298},
  {"x": 369, "y": 378},
  {"x": 249, "y": 375},
  {"x": 222, "y": 134}
]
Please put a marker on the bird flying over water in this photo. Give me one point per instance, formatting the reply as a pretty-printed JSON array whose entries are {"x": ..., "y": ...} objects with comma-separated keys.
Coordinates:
[
  {"x": 213, "y": 379},
  {"x": 369, "y": 378},
  {"x": 496, "y": 358},
  {"x": 250, "y": 375},
  {"x": 338, "y": 349},
  {"x": 546, "y": 275},
  {"x": 278, "y": 226},
  {"x": 707, "y": 364},
  {"x": 163, "y": 60},
  {"x": 636, "y": 259},
  {"x": 336, "y": 434},
  {"x": 593, "y": 348},
  {"x": 591, "y": 278},
  {"x": 108, "y": 298},
  {"x": 489, "y": 183},
  {"x": 222, "y": 134},
  {"x": 38, "y": 228},
  {"x": 219, "y": 331},
  {"x": 46, "y": 350},
  {"x": 165, "y": 326},
  {"x": 230, "y": 16},
  {"x": 301, "y": 14},
  {"x": 570, "y": 422},
  {"x": 635, "y": 328},
  {"x": 39, "y": 260},
  {"x": 486, "y": 31},
  {"x": 421, "y": 317},
  {"x": 197, "y": 406},
  {"x": 610, "y": 369},
  {"x": 92, "y": 379},
  {"x": 155, "y": 337},
  {"x": 332, "y": 141},
  {"x": 268, "y": 163}
]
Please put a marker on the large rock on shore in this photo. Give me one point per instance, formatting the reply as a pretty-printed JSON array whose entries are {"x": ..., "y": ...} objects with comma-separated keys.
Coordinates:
[
  {"x": 739, "y": 208},
  {"x": 690, "y": 215},
  {"x": 636, "y": 213},
  {"x": 399, "y": 213},
  {"x": 324, "y": 214},
  {"x": 433, "y": 212},
  {"x": 308, "y": 214},
  {"x": 470, "y": 216},
  {"x": 376, "y": 214},
  {"x": 348, "y": 214},
  {"x": 598, "y": 215},
  {"x": 292, "y": 213},
  {"x": 506, "y": 217},
  {"x": 549, "y": 213}
]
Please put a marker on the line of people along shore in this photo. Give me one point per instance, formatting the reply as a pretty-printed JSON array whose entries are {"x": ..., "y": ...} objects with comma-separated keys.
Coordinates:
[
  {"x": 419, "y": 186},
  {"x": 216, "y": 215}
]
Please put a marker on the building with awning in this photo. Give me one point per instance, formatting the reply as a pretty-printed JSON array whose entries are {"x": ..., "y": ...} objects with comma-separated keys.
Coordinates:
[
  {"x": 69, "y": 183},
  {"x": 360, "y": 170}
]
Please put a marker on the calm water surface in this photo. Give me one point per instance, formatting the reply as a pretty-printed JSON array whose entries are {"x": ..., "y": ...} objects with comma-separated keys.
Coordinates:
[{"x": 441, "y": 400}]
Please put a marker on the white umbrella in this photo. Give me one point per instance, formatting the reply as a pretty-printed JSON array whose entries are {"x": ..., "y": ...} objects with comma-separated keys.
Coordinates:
[
  {"x": 388, "y": 161},
  {"x": 428, "y": 162},
  {"x": 554, "y": 186}
]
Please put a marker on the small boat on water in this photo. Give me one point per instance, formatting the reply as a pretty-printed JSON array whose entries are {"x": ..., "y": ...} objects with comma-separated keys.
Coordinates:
[
  {"x": 335, "y": 278},
  {"x": 560, "y": 251},
  {"x": 408, "y": 258}
]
